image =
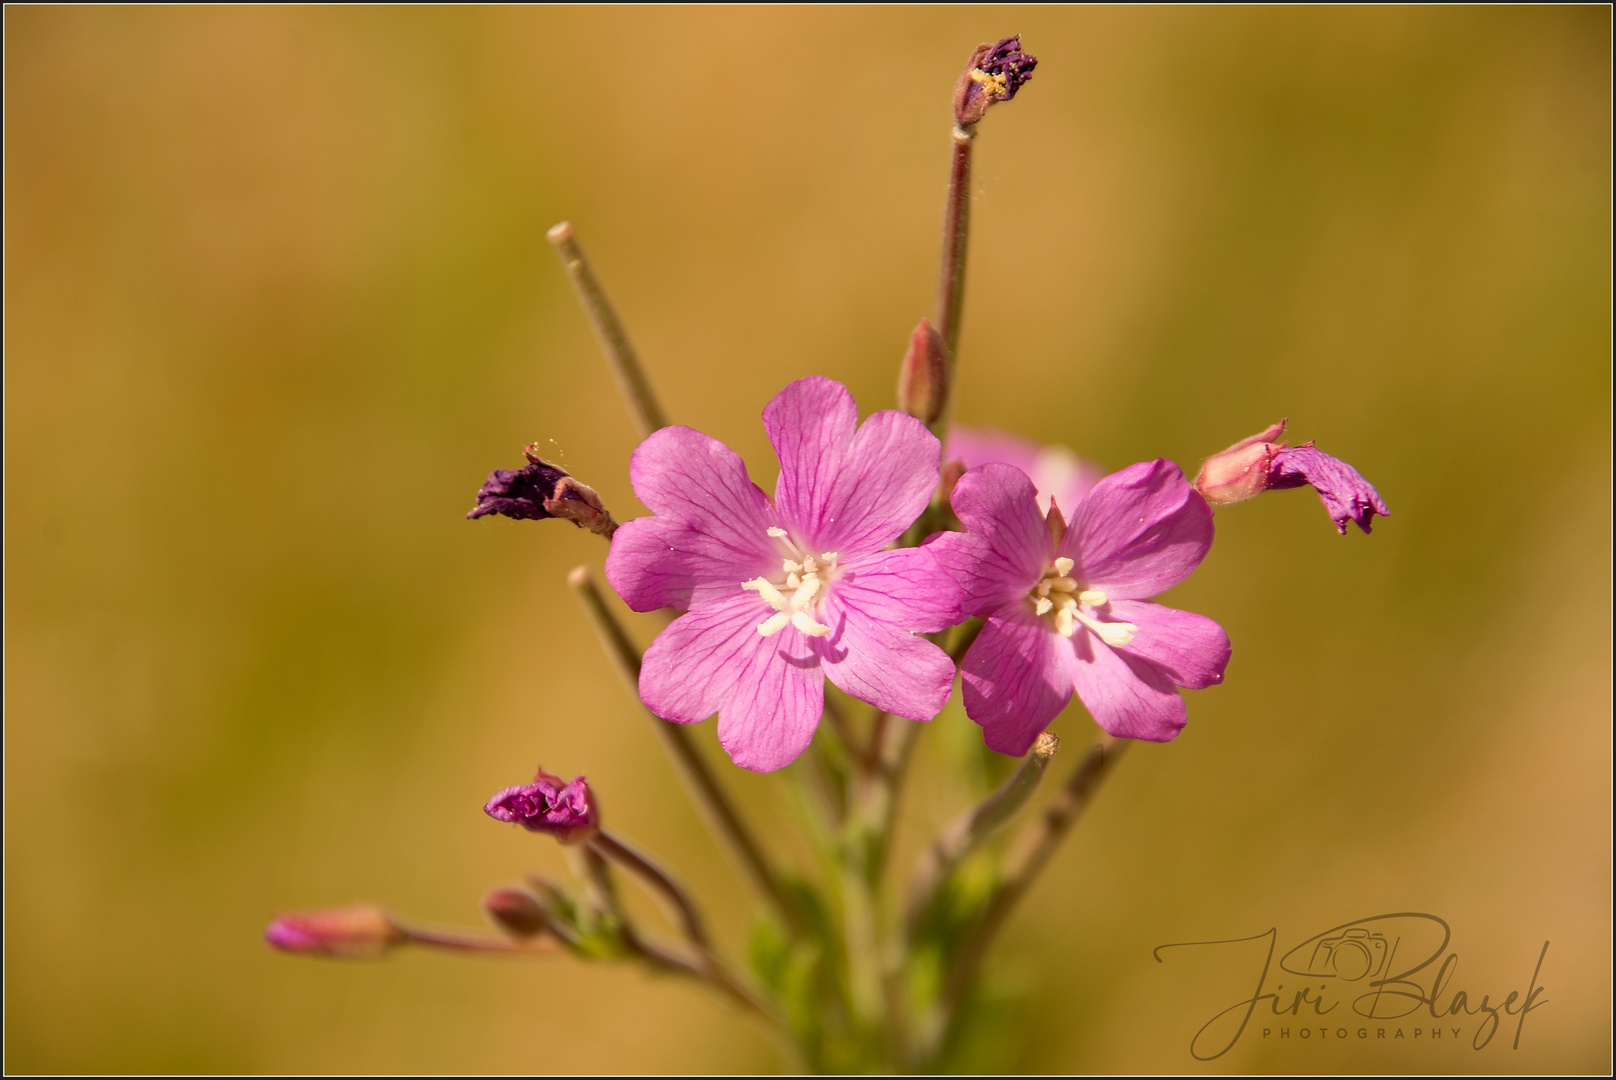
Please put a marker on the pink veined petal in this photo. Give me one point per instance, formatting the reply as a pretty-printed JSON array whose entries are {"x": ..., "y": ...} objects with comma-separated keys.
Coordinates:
[
  {"x": 1016, "y": 678},
  {"x": 905, "y": 588},
  {"x": 869, "y": 658},
  {"x": 1139, "y": 532},
  {"x": 1006, "y": 545},
  {"x": 885, "y": 481},
  {"x": 811, "y": 424},
  {"x": 1054, "y": 470},
  {"x": 658, "y": 562},
  {"x": 1129, "y": 697},
  {"x": 1190, "y": 649},
  {"x": 685, "y": 476},
  {"x": 691, "y": 669},
  {"x": 776, "y": 703}
]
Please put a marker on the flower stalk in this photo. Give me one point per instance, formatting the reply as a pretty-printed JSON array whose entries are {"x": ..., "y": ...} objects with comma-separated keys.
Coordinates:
[{"x": 609, "y": 332}]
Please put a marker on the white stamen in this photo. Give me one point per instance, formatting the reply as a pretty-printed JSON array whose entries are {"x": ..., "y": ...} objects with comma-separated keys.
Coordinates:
[
  {"x": 1112, "y": 633},
  {"x": 1043, "y": 606},
  {"x": 804, "y": 585},
  {"x": 1059, "y": 595},
  {"x": 1063, "y": 622},
  {"x": 1063, "y": 584},
  {"x": 1063, "y": 566},
  {"x": 1093, "y": 598}
]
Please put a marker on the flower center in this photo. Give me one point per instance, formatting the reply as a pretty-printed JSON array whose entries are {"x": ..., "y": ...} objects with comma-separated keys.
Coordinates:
[
  {"x": 1059, "y": 597},
  {"x": 795, "y": 598}
]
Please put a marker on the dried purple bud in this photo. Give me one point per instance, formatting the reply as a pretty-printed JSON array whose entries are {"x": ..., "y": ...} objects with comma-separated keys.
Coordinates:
[
  {"x": 542, "y": 489},
  {"x": 516, "y": 911},
  {"x": 994, "y": 74},
  {"x": 923, "y": 375},
  {"x": 1258, "y": 464},
  {"x": 548, "y": 806},
  {"x": 354, "y": 932}
]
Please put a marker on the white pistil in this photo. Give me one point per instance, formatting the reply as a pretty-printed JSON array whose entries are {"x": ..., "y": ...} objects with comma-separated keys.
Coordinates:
[
  {"x": 803, "y": 577},
  {"x": 1059, "y": 593}
]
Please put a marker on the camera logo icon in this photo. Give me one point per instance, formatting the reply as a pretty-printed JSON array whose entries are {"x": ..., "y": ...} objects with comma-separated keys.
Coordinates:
[{"x": 1352, "y": 955}]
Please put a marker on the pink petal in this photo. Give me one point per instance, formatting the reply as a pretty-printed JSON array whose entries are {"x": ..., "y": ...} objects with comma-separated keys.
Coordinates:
[
  {"x": 691, "y": 669},
  {"x": 1190, "y": 649},
  {"x": 905, "y": 588},
  {"x": 811, "y": 424},
  {"x": 1055, "y": 470},
  {"x": 1342, "y": 489},
  {"x": 846, "y": 492},
  {"x": 1128, "y": 697},
  {"x": 776, "y": 703},
  {"x": 1139, "y": 532},
  {"x": 711, "y": 531},
  {"x": 1006, "y": 545},
  {"x": 658, "y": 562},
  {"x": 1017, "y": 678},
  {"x": 866, "y": 656}
]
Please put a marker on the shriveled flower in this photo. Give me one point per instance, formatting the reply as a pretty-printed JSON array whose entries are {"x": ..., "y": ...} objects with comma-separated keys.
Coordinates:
[
  {"x": 542, "y": 489},
  {"x": 782, "y": 594},
  {"x": 547, "y": 805},
  {"x": 351, "y": 932},
  {"x": 1057, "y": 473},
  {"x": 1066, "y": 603},
  {"x": 1260, "y": 463},
  {"x": 994, "y": 74}
]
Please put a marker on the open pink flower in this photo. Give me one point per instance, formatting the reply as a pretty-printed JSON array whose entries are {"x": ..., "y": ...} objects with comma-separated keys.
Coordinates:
[
  {"x": 783, "y": 594},
  {"x": 1058, "y": 473},
  {"x": 1067, "y": 603}
]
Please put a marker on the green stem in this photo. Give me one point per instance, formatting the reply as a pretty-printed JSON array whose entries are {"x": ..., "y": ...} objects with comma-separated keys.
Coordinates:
[
  {"x": 721, "y": 814},
  {"x": 951, "y": 270},
  {"x": 620, "y": 357}
]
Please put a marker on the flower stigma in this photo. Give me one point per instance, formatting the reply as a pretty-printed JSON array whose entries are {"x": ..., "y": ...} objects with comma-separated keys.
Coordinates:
[
  {"x": 1058, "y": 595},
  {"x": 795, "y": 599}
]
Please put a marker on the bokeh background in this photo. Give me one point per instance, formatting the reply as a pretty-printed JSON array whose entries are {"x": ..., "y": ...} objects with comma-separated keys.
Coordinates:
[{"x": 278, "y": 297}]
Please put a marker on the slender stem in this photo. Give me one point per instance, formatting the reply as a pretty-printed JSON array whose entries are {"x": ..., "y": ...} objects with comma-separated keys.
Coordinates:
[
  {"x": 609, "y": 331},
  {"x": 658, "y": 879},
  {"x": 721, "y": 815},
  {"x": 878, "y": 739},
  {"x": 455, "y": 941},
  {"x": 1024, "y": 866},
  {"x": 951, "y": 271},
  {"x": 974, "y": 827},
  {"x": 839, "y": 724}
]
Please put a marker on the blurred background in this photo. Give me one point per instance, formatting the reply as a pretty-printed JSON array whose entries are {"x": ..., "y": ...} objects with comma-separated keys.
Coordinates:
[{"x": 278, "y": 297}]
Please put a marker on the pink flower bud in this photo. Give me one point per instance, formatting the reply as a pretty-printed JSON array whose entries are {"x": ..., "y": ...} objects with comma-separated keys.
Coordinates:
[
  {"x": 515, "y": 911},
  {"x": 548, "y": 806},
  {"x": 1240, "y": 472},
  {"x": 923, "y": 376},
  {"x": 353, "y": 932}
]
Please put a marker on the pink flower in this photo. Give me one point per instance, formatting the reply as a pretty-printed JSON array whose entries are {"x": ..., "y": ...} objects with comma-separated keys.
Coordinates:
[
  {"x": 1058, "y": 473},
  {"x": 1258, "y": 464},
  {"x": 1067, "y": 603},
  {"x": 347, "y": 932},
  {"x": 547, "y": 805},
  {"x": 782, "y": 595}
]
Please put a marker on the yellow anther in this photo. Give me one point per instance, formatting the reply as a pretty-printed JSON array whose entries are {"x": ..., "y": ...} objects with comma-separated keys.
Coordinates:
[
  {"x": 1043, "y": 606},
  {"x": 1063, "y": 566},
  {"x": 776, "y": 531},
  {"x": 1093, "y": 598},
  {"x": 1063, "y": 584},
  {"x": 773, "y": 624},
  {"x": 804, "y": 622}
]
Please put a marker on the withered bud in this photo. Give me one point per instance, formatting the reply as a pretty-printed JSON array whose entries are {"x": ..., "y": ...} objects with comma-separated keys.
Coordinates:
[
  {"x": 923, "y": 375},
  {"x": 515, "y": 911},
  {"x": 352, "y": 933},
  {"x": 994, "y": 74},
  {"x": 1047, "y": 745},
  {"x": 542, "y": 489}
]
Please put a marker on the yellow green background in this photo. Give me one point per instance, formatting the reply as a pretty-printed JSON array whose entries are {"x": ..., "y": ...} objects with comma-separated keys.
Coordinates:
[{"x": 278, "y": 297}]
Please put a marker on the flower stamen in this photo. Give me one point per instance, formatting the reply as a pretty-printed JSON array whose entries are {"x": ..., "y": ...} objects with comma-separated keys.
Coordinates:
[
  {"x": 806, "y": 580},
  {"x": 1063, "y": 597}
]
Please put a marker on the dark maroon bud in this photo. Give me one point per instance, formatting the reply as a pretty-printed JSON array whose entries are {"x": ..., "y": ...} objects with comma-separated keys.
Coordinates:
[
  {"x": 994, "y": 74},
  {"x": 542, "y": 489}
]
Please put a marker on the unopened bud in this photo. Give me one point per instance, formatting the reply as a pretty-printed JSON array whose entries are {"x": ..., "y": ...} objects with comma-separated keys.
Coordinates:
[
  {"x": 923, "y": 375},
  {"x": 951, "y": 473},
  {"x": 542, "y": 489},
  {"x": 1240, "y": 472},
  {"x": 515, "y": 911},
  {"x": 994, "y": 74},
  {"x": 354, "y": 932},
  {"x": 547, "y": 805}
]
